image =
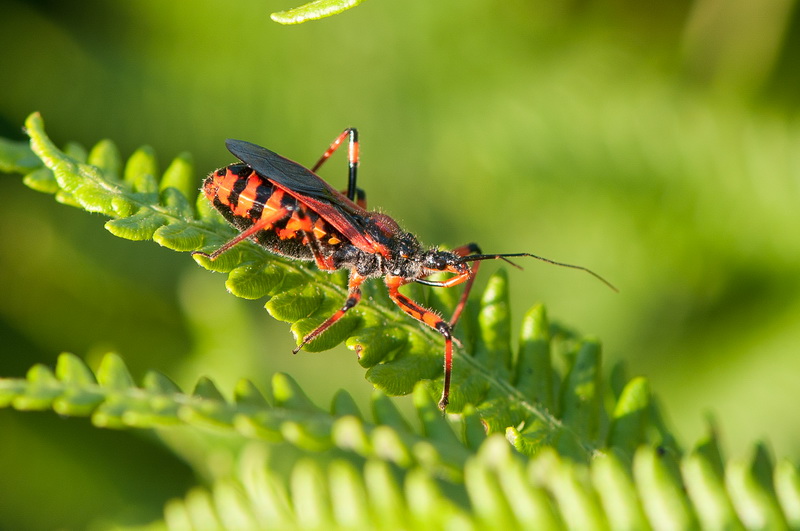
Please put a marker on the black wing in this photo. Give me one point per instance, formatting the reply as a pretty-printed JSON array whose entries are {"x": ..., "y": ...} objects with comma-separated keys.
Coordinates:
[
  {"x": 347, "y": 217},
  {"x": 283, "y": 171}
]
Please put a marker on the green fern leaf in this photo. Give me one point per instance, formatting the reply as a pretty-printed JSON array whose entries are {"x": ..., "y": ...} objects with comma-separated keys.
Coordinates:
[
  {"x": 497, "y": 490},
  {"x": 113, "y": 400},
  {"x": 313, "y": 11}
]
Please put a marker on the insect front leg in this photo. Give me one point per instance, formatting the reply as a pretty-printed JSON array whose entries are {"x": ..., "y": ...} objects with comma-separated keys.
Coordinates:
[
  {"x": 465, "y": 250},
  {"x": 353, "y": 192},
  {"x": 432, "y": 319},
  {"x": 353, "y": 297}
]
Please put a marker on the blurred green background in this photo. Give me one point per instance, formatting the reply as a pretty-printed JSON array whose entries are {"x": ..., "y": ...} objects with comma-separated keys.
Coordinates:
[{"x": 657, "y": 143}]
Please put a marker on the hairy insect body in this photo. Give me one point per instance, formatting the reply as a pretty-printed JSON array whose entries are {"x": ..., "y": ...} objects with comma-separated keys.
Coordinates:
[
  {"x": 294, "y": 230},
  {"x": 290, "y": 211}
]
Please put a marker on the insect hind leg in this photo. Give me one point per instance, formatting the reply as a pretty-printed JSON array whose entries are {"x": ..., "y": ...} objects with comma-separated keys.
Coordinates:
[{"x": 255, "y": 228}]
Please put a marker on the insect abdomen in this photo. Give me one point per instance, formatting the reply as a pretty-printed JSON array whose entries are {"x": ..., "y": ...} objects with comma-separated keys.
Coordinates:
[
  {"x": 238, "y": 192},
  {"x": 244, "y": 198}
]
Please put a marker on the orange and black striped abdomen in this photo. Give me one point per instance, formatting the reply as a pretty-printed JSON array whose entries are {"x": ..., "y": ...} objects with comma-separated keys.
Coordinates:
[{"x": 244, "y": 198}]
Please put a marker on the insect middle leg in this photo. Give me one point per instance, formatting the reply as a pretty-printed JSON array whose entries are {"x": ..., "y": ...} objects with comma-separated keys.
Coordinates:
[
  {"x": 353, "y": 297},
  {"x": 353, "y": 192}
]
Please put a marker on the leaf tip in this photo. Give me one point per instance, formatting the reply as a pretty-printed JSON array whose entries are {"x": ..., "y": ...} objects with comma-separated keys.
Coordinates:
[
  {"x": 33, "y": 122},
  {"x": 313, "y": 11}
]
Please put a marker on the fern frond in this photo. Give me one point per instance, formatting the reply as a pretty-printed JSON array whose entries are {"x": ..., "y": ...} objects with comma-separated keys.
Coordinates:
[
  {"x": 384, "y": 473},
  {"x": 499, "y": 490},
  {"x": 518, "y": 394},
  {"x": 112, "y": 400}
]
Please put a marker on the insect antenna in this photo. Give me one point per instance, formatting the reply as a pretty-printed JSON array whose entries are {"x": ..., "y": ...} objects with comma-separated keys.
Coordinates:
[
  {"x": 504, "y": 257},
  {"x": 506, "y": 260}
]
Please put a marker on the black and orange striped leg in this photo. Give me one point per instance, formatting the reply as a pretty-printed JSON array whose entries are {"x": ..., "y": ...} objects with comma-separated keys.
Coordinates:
[
  {"x": 432, "y": 319},
  {"x": 353, "y": 296},
  {"x": 353, "y": 192},
  {"x": 262, "y": 224}
]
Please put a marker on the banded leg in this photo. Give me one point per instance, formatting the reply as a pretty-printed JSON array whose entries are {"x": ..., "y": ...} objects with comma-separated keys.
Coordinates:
[
  {"x": 353, "y": 193},
  {"x": 262, "y": 224},
  {"x": 353, "y": 296},
  {"x": 432, "y": 319}
]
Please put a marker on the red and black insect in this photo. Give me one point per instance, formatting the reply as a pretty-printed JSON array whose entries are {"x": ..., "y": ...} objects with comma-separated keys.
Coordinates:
[{"x": 292, "y": 212}]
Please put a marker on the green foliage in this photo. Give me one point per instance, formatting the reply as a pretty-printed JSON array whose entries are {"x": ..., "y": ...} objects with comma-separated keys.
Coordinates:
[
  {"x": 313, "y": 11},
  {"x": 486, "y": 374},
  {"x": 301, "y": 465},
  {"x": 588, "y": 451}
]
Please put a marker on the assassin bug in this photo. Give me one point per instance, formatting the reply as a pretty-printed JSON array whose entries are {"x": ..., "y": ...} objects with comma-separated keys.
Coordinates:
[{"x": 292, "y": 212}]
